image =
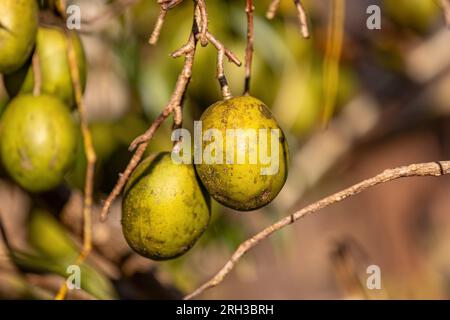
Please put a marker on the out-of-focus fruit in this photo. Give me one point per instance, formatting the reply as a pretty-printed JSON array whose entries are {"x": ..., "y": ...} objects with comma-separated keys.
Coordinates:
[
  {"x": 57, "y": 252},
  {"x": 51, "y": 47},
  {"x": 18, "y": 27},
  {"x": 37, "y": 141},
  {"x": 414, "y": 14}
]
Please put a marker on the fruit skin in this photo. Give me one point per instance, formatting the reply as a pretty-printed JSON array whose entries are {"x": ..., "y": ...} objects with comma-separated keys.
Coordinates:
[
  {"x": 241, "y": 186},
  {"x": 47, "y": 236},
  {"x": 51, "y": 47},
  {"x": 18, "y": 27},
  {"x": 164, "y": 209},
  {"x": 37, "y": 141}
]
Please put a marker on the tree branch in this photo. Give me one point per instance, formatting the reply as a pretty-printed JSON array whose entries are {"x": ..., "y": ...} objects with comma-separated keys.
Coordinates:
[
  {"x": 221, "y": 53},
  {"x": 302, "y": 17},
  {"x": 249, "y": 50},
  {"x": 158, "y": 26},
  {"x": 433, "y": 169},
  {"x": 174, "y": 106},
  {"x": 272, "y": 10},
  {"x": 36, "y": 74},
  {"x": 90, "y": 157},
  {"x": 139, "y": 145}
]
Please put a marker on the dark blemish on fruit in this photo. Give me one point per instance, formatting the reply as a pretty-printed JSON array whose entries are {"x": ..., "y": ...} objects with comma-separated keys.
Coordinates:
[{"x": 25, "y": 161}]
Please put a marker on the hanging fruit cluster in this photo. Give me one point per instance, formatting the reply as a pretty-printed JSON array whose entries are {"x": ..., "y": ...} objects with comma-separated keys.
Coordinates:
[
  {"x": 38, "y": 133},
  {"x": 166, "y": 206}
]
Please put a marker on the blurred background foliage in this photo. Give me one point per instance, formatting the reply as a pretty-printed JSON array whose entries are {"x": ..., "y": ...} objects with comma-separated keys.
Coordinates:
[{"x": 392, "y": 108}]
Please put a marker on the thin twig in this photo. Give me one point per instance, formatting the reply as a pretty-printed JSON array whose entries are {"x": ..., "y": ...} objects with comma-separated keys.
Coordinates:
[
  {"x": 139, "y": 145},
  {"x": 90, "y": 157},
  {"x": 169, "y": 4},
  {"x": 36, "y": 74},
  {"x": 302, "y": 19},
  {"x": 249, "y": 51},
  {"x": 273, "y": 8},
  {"x": 222, "y": 51},
  {"x": 158, "y": 26},
  {"x": 301, "y": 13},
  {"x": 203, "y": 22},
  {"x": 433, "y": 169},
  {"x": 174, "y": 106}
]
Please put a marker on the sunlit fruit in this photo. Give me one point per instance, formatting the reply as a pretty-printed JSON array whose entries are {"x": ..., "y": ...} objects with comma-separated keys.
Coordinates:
[
  {"x": 18, "y": 27},
  {"x": 164, "y": 209},
  {"x": 51, "y": 47},
  {"x": 37, "y": 141},
  {"x": 253, "y": 165}
]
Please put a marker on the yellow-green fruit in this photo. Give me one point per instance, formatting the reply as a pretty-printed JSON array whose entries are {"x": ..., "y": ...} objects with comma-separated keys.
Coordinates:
[
  {"x": 164, "y": 209},
  {"x": 18, "y": 27},
  {"x": 415, "y": 14},
  {"x": 47, "y": 236},
  {"x": 56, "y": 252},
  {"x": 37, "y": 141},
  {"x": 245, "y": 184},
  {"x": 51, "y": 47}
]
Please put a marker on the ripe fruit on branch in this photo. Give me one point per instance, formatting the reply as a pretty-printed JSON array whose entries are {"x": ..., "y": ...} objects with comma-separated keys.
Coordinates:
[
  {"x": 37, "y": 141},
  {"x": 18, "y": 27},
  {"x": 257, "y": 179},
  {"x": 164, "y": 209},
  {"x": 51, "y": 47}
]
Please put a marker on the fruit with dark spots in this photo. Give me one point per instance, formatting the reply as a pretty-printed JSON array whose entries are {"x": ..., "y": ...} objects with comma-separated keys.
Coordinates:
[
  {"x": 164, "y": 209},
  {"x": 51, "y": 47},
  {"x": 242, "y": 185},
  {"x": 37, "y": 141},
  {"x": 18, "y": 27}
]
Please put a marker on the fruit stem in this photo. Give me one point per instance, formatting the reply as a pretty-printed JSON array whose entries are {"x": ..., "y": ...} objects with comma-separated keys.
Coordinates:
[{"x": 36, "y": 74}]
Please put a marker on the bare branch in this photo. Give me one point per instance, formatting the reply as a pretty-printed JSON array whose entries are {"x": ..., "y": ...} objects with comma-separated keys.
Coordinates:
[
  {"x": 221, "y": 52},
  {"x": 169, "y": 4},
  {"x": 158, "y": 26},
  {"x": 434, "y": 169},
  {"x": 273, "y": 8},
  {"x": 174, "y": 106},
  {"x": 203, "y": 22},
  {"x": 249, "y": 51},
  {"x": 36, "y": 74},
  {"x": 302, "y": 19},
  {"x": 90, "y": 157}
]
